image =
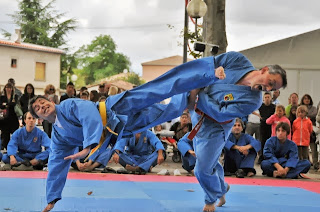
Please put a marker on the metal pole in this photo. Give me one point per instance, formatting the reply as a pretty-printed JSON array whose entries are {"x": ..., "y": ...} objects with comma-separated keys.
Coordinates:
[{"x": 185, "y": 39}]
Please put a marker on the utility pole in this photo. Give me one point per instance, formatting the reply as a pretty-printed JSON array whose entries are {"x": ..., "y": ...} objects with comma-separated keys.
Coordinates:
[{"x": 214, "y": 26}]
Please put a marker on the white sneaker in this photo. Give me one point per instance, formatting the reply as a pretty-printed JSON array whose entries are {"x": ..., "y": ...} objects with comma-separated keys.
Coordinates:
[
  {"x": 163, "y": 172},
  {"x": 176, "y": 172}
]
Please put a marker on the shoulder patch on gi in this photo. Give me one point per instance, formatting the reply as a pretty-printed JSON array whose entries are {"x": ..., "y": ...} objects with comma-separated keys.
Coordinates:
[
  {"x": 35, "y": 139},
  {"x": 228, "y": 97}
]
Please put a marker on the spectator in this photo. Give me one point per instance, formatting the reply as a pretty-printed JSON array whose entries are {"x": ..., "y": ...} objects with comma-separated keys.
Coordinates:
[
  {"x": 281, "y": 156},
  {"x": 82, "y": 89},
  {"x": 25, "y": 147},
  {"x": 94, "y": 96},
  {"x": 70, "y": 92},
  {"x": 312, "y": 113},
  {"x": 84, "y": 95},
  {"x": 113, "y": 90},
  {"x": 293, "y": 115},
  {"x": 50, "y": 93},
  {"x": 266, "y": 110},
  {"x": 10, "y": 123},
  {"x": 16, "y": 90},
  {"x": 144, "y": 151},
  {"x": 182, "y": 127},
  {"x": 165, "y": 136},
  {"x": 25, "y": 98},
  {"x": 301, "y": 132},
  {"x": 106, "y": 89},
  {"x": 275, "y": 96},
  {"x": 240, "y": 152},
  {"x": 318, "y": 120},
  {"x": 293, "y": 99},
  {"x": 101, "y": 89},
  {"x": 101, "y": 160},
  {"x": 274, "y": 119},
  {"x": 253, "y": 124},
  {"x": 185, "y": 147},
  {"x": 102, "y": 99}
]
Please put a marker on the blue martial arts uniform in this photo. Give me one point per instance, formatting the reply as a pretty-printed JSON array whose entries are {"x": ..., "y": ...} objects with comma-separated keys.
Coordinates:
[
  {"x": 222, "y": 101},
  {"x": 143, "y": 154},
  {"x": 28, "y": 145},
  {"x": 137, "y": 110},
  {"x": 234, "y": 160},
  {"x": 286, "y": 155},
  {"x": 188, "y": 160},
  {"x": 78, "y": 123}
]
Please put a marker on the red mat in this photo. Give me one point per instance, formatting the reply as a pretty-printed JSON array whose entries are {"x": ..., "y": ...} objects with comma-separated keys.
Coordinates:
[{"x": 308, "y": 185}]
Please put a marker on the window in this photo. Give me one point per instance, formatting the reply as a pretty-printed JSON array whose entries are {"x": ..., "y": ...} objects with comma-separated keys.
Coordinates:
[
  {"x": 13, "y": 63},
  {"x": 40, "y": 74}
]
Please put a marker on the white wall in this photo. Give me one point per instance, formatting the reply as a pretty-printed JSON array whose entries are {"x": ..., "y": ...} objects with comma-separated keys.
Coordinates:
[
  {"x": 25, "y": 71},
  {"x": 302, "y": 82}
]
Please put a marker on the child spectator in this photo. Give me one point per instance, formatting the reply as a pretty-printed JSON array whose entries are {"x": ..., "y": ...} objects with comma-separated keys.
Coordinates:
[
  {"x": 279, "y": 116},
  {"x": 302, "y": 129}
]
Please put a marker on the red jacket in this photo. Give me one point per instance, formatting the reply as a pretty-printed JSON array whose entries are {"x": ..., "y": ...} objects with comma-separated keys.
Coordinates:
[{"x": 302, "y": 129}]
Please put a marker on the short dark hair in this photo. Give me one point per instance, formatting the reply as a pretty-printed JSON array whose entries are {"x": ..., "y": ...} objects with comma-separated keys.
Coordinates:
[
  {"x": 285, "y": 126},
  {"x": 239, "y": 121},
  {"x": 83, "y": 88},
  {"x": 70, "y": 83},
  {"x": 12, "y": 81},
  {"x": 276, "y": 69},
  {"x": 267, "y": 93},
  {"x": 32, "y": 101}
]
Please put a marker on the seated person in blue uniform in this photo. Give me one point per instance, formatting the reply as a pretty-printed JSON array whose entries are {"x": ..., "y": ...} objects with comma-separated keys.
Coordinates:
[
  {"x": 139, "y": 153},
  {"x": 240, "y": 152},
  {"x": 185, "y": 146},
  {"x": 136, "y": 110},
  {"x": 281, "y": 155},
  {"x": 100, "y": 161},
  {"x": 25, "y": 147}
]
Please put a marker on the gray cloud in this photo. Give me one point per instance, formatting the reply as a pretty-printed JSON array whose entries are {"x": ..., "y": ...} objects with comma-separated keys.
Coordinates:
[{"x": 139, "y": 29}]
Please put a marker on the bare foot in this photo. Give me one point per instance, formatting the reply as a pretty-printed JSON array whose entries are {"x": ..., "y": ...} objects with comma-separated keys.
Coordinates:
[
  {"x": 132, "y": 168},
  {"x": 275, "y": 174},
  {"x": 150, "y": 168},
  {"x": 222, "y": 199},
  {"x": 49, "y": 207},
  {"x": 208, "y": 207},
  {"x": 250, "y": 174}
]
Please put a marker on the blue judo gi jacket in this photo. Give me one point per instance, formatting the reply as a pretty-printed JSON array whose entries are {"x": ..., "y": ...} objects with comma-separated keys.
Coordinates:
[{"x": 28, "y": 145}]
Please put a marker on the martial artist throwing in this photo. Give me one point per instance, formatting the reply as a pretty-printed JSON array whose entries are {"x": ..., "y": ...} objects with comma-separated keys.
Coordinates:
[{"x": 136, "y": 110}]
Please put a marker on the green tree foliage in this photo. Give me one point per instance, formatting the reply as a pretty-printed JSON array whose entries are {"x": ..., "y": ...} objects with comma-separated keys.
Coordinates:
[
  {"x": 42, "y": 25},
  {"x": 134, "y": 79},
  {"x": 100, "y": 59}
]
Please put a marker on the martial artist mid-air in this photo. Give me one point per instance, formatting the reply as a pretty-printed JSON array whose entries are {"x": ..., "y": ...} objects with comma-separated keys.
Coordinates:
[{"x": 136, "y": 110}]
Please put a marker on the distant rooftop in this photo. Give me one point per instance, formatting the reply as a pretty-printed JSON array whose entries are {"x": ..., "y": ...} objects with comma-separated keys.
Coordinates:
[
  {"x": 168, "y": 61},
  {"x": 30, "y": 46}
]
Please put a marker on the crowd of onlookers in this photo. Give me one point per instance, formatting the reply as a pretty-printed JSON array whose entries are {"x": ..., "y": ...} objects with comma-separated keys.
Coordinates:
[
  {"x": 14, "y": 103},
  {"x": 301, "y": 117}
]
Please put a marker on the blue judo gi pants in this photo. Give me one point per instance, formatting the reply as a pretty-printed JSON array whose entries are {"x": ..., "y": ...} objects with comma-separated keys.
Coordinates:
[{"x": 303, "y": 166}]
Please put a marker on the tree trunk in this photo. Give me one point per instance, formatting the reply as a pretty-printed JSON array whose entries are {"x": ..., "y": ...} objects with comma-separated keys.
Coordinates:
[{"x": 214, "y": 26}]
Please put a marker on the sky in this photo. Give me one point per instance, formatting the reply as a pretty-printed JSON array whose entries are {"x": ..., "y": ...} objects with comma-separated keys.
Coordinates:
[{"x": 140, "y": 27}]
